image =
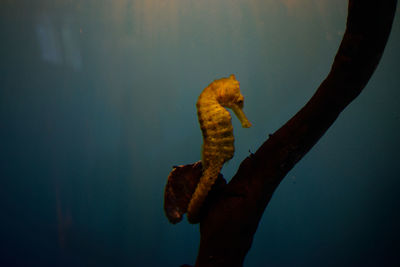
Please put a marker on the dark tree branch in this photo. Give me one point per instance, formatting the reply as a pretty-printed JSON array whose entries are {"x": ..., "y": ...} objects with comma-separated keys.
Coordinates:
[{"x": 232, "y": 217}]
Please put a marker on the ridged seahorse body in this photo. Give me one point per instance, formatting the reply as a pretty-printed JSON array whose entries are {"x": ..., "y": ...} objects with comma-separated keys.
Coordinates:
[{"x": 217, "y": 130}]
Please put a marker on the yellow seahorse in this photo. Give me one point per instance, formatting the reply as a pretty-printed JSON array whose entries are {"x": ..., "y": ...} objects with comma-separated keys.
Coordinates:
[{"x": 216, "y": 126}]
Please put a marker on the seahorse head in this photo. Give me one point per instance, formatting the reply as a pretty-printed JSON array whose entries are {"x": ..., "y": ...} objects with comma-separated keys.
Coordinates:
[{"x": 228, "y": 95}]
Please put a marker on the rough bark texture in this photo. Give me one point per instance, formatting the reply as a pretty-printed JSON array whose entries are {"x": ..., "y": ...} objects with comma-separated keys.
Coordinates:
[{"x": 231, "y": 219}]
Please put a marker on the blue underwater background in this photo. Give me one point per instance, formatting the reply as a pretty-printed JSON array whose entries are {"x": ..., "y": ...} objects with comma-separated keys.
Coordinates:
[{"x": 97, "y": 103}]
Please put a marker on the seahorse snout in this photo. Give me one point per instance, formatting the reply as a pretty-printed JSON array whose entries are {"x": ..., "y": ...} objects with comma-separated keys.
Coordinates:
[{"x": 241, "y": 116}]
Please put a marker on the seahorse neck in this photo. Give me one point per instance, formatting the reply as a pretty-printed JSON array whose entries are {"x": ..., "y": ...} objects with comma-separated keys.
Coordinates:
[{"x": 208, "y": 98}]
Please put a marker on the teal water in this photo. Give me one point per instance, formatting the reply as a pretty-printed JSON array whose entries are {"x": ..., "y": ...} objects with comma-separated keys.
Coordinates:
[{"x": 97, "y": 102}]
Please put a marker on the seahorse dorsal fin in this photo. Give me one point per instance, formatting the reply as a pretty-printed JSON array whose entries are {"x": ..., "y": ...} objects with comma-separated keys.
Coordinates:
[{"x": 232, "y": 77}]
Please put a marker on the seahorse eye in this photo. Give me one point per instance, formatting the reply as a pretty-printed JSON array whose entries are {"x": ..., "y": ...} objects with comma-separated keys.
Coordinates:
[{"x": 240, "y": 103}]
